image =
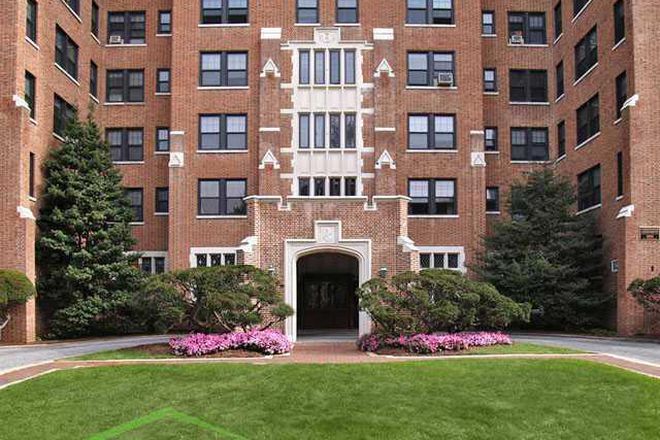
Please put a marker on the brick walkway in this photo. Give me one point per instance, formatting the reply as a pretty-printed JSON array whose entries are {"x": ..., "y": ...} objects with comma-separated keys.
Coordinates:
[{"x": 316, "y": 353}]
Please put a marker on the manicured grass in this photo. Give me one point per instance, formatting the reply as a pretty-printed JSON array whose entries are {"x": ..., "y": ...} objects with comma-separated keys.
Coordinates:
[{"x": 459, "y": 399}]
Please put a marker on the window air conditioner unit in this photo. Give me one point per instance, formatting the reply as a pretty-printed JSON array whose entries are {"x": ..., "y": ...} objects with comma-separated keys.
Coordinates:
[
  {"x": 517, "y": 39},
  {"x": 649, "y": 233},
  {"x": 116, "y": 39},
  {"x": 444, "y": 79}
]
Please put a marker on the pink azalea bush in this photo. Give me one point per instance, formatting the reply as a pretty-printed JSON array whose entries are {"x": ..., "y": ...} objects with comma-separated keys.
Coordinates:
[
  {"x": 434, "y": 343},
  {"x": 268, "y": 342}
]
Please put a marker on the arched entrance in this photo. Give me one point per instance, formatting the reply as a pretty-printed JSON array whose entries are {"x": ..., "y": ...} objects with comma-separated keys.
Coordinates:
[{"x": 326, "y": 300}]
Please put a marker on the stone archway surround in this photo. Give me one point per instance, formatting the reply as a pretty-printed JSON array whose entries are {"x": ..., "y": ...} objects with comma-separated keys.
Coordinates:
[{"x": 327, "y": 238}]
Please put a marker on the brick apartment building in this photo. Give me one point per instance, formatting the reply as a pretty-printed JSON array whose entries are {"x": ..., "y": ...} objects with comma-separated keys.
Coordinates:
[{"x": 331, "y": 141}]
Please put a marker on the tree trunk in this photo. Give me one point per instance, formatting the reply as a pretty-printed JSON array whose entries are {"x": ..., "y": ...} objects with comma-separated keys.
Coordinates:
[{"x": 4, "y": 324}]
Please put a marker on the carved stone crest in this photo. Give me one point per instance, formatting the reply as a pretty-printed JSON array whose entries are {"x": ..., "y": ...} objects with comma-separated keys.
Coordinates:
[{"x": 327, "y": 36}]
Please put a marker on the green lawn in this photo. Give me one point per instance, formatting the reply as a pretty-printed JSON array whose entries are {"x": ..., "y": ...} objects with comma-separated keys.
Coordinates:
[
  {"x": 521, "y": 348},
  {"x": 460, "y": 399}
]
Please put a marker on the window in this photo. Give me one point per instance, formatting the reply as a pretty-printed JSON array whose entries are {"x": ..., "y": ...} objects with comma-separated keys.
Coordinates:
[
  {"x": 303, "y": 131},
  {"x": 222, "y": 197},
  {"x": 588, "y": 120},
  {"x": 492, "y": 199},
  {"x": 619, "y": 174},
  {"x": 350, "y": 186},
  {"x": 559, "y": 76},
  {"x": 319, "y": 67},
  {"x": 336, "y": 129},
  {"x": 559, "y": 22},
  {"x": 619, "y": 21},
  {"x": 561, "y": 139},
  {"x": 319, "y": 186},
  {"x": 336, "y": 186},
  {"x": 126, "y": 27},
  {"x": 347, "y": 11},
  {"x": 224, "y": 11},
  {"x": 95, "y": 19},
  {"x": 66, "y": 53},
  {"x": 307, "y": 11},
  {"x": 490, "y": 80},
  {"x": 162, "y": 201},
  {"x": 162, "y": 139},
  {"x": 31, "y": 20},
  {"x": 215, "y": 258},
  {"x": 335, "y": 67},
  {"x": 528, "y": 25},
  {"x": 528, "y": 86},
  {"x": 491, "y": 139},
  {"x": 349, "y": 130},
  {"x": 589, "y": 189},
  {"x": 424, "y": 68},
  {"x": 488, "y": 23},
  {"x": 431, "y": 132},
  {"x": 223, "y": 69},
  {"x": 586, "y": 53},
  {"x": 579, "y": 5},
  {"x": 349, "y": 67},
  {"x": 222, "y": 132},
  {"x": 74, "y": 5},
  {"x": 621, "y": 93},
  {"x": 31, "y": 176},
  {"x": 163, "y": 81},
  {"x": 93, "y": 79},
  {"x": 303, "y": 186},
  {"x": 136, "y": 199},
  {"x": 529, "y": 144},
  {"x": 319, "y": 130},
  {"x": 432, "y": 197},
  {"x": 125, "y": 86},
  {"x": 303, "y": 72},
  {"x": 63, "y": 113},
  {"x": 165, "y": 22},
  {"x": 430, "y": 12},
  {"x": 439, "y": 260},
  {"x": 335, "y": 58},
  {"x": 31, "y": 93},
  {"x": 152, "y": 265},
  {"x": 126, "y": 145}
]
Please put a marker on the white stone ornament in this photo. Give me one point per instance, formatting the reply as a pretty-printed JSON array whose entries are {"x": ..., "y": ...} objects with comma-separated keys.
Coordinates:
[
  {"x": 176, "y": 160},
  {"x": 327, "y": 36},
  {"x": 385, "y": 159},
  {"x": 270, "y": 68},
  {"x": 269, "y": 159},
  {"x": 384, "y": 67},
  {"x": 25, "y": 213},
  {"x": 479, "y": 160},
  {"x": 626, "y": 212}
]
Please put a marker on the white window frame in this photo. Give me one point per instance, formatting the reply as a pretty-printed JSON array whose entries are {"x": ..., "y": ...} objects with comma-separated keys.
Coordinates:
[
  {"x": 152, "y": 255},
  {"x": 460, "y": 250},
  {"x": 212, "y": 250}
]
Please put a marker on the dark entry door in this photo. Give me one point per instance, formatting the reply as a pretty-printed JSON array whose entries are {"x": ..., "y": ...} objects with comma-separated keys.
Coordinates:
[{"x": 328, "y": 302}]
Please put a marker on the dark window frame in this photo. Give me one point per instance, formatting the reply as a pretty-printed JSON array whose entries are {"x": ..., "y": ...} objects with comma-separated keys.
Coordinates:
[
  {"x": 95, "y": 20},
  {"x": 163, "y": 86},
  {"x": 493, "y": 204},
  {"x": 526, "y": 29},
  {"x": 523, "y": 82},
  {"x": 306, "y": 145},
  {"x": 530, "y": 146},
  {"x": 490, "y": 86},
  {"x": 561, "y": 139},
  {"x": 222, "y": 198},
  {"x": 164, "y": 28},
  {"x": 126, "y": 150},
  {"x": 586, "y": 53},
  {"x": 431, "y": 15},
  {"x": 432, "y": 204},
  {"x": 32, "y": 20},
  {"x": 126, "y": 86},
  {"x": 488, "y": 28},
  {"x": 559, "y": 77},
  {"x": 224, "y": 71},
  {"x": 494, "y": 145},
  {"x": 223, "y": 134},
  {"x": 430, "y": 70},
  {"x": 136, "y": 208},
  {"x": 162, "y": 203},
  {"x": 621, "y": 88},
  {"x": 559, "y": 20},
  {"x": 31, "y": 93},
  {"x": 579, "y": 6},
  {"x": 619, "y": 22},
  {"x": 93, "y": 79},
  {"x": 300, "y": 8},
  {"x": 432, "y": 144},
  {"x": 63, "y": 112},
  {"x": 620, "y": 188},
  {"x": 74, "y": 5},
  {"x": 304, "y": 67},
  {"x": 225, "y": 14},
  {"x": 131, "y": 31},
  {"x": 588, "y": 120},
  {"x": 32, "y": 170},
  {"x": 589, "y": 188},
  {"x": 159, "y": 141},
  {"x": 355, "y": 10},
  {"x": 66, "y": 53}
]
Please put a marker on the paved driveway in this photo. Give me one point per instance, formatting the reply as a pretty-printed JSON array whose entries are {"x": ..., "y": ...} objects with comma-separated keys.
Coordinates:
[
  {"x": 12, "y": 357},
  {"x": 640, "y": 351}
]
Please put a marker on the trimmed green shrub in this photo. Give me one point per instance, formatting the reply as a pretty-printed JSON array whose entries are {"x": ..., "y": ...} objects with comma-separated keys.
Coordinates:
[
  {"x": 647, "y": 293},
  {"x": 158, "y": 307},
  {"x": 15, "y": 288}
]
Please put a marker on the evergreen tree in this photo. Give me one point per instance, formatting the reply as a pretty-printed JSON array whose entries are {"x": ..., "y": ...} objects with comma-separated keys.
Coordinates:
[
  {"x": 547, "y": 256},
  {"x": 85, "y": 273}
]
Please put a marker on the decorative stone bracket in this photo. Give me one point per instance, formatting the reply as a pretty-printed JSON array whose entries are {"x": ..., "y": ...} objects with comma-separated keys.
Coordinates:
[
  {"x": 269, "y": 159},
  {"x": 270, "y": 68},
  {"x": 385, "y": 159},
  {"x": 384, "y": 67}
]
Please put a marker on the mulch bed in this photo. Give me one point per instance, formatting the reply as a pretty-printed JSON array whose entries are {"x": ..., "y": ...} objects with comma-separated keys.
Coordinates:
[{"x": 164, "y": 350}]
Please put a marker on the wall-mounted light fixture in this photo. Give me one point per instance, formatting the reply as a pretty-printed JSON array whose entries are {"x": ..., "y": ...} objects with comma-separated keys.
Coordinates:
[{"x": 382, "y": 272}]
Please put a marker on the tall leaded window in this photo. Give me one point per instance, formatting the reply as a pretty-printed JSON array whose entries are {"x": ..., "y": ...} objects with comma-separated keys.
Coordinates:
[
  {"x": 621, "y": 93},
  {"x": 31, "y": 20},
  {"x": 125, "y": 86},
  {"x": 589, "y": 194},
  {"x": 319, "y": 67},
  {"x": 31, "y": 93},
  {"x": 126, "y": 144},
  {"x": 126, "y": 27},
  {"x": 561, "y": 139},
  {"x": 491, "y": 139},
  {"x": 586, "y": 53},
  {"x": 319, "y": 130},
  {"x": 222, "y": 197},
  {"x": 528, "y": 85},
  {"x": 430, "y": 12},
  {"x": 431, "y": 132},
  {"x": 588, "y": 120},
  {"x": 432, "y": 197},
  {"x": 162, "y": 201},
  {"x": 307, "y": 11},
  {"x": 223, "y": 69},
  {"x": 63, "y": 113},
  {"x": 529, "y": 144},
  {"x": 530, "y": 26},
  {"x": 619, "y": 21},
  {"x": 303, "y": 67},
  {"x": 342, "y": 67},
  {"x": 224, "y": 11},
  {"x": 304, "y": 131},
  {"x": 559, "y": 21},
  {"x": 136, "y": 199},
  {"x": 559, "y": 76},
  {"x": 222, "y": 132},
  {"x": 431, "y": 68},
  {"x": 347, "y": 11},
  {"x": 335, "y": 67},
  {"x": 66, "y": 53},
  {"x": 349, "y": 67},
  {"x": 162, "y": 139}
]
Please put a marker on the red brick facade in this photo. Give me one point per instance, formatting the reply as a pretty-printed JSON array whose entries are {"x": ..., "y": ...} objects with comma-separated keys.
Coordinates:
[{"x": 277, "y": 219}]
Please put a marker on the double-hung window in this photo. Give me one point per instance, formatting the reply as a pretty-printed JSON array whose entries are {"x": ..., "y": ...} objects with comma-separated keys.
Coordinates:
[
  {"x": 126, "y": 27},
  {"x": 162, "y": 201},
  {"x": 430, "y": 12},
  {"x": 222, "y": 132},
  {"x": 224, "y": 11},
  {"x": 164, "y": 22},
  {"x": 63, "y": 113},
  {"x": 307, "y": 11},
  {"x": 429, "y": 68},
  {"x": 491, "y": 139},
  {"x": 528, "y": 25},
  {"x": 222, "y": 197},
  {"x": 586, "y": 53},
  {"x": 31, "y": 93},
  {"x": 432, "y": 197},
  {"x": 66, "y": 53},
  {"x": 490, "y": 80},
  {"x": 488, "y": 23},
  {"x": 136, "y": 201},
  {"x": 561, "y": 139},
  {"x": 162, "y": 139},
  {"x": 528, "y": 86},
  {"x": 347, "y": 11},
  {"x": 93, "y": 79},
  {"x": 559, "y": 76},
  {"x": 163, "y": 81},
  {"x": 431, "y": 132},
  {"x": 559, "y": 21},
  {"x": 589, "y": 194},
  {"x": 125, "y": 86},
  {"x": 619, "y": 21},
  {"x": 126, "y": 144},
  {"x": 492, "y": 199},
  {"x": 223, "y": 69},
  {"x": 31, "y": 20},
  {"x": 588, "y": 120},
  {"x": 95, "y": 20},
  {"x": 529, "y": 144},
  {"x": 621, "y": 93}
]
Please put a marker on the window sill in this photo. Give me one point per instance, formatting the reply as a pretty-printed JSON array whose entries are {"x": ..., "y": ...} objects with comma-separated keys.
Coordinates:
[
  {"x": 593, "y": 208},
  {"x": 114, "y": 104},
  {"x": 432, "y": 151},
  {"x": 434, "y": 216},
  {"x": 618, "y": 198},
  {"x": 95, "y": 38},
  {"x": 75, "y": 14},
  {"x": 560, "y": 97},
  {"x": 531, "y": 46},
  {"x": 34, "y": 199},
  {"x": 221, "y": 217},
  {"x": 163, "y": 94},
  {"x": 161, "y": 214},
  {"x": 347, "y": 24},
  {"x": 618, "y": 121},
  {"x": 589, "y": 140},
  {"x": 491, "y": 93},
  {"x": 488, "y": 35},
  {"x": 136, "y": 224},
  {"x": 430, "y": 25},
  {"x": 222, "y": 151},
  {"x": 307, "y": 24},
  {"x": 163, "y": 35},
  {"x": 209, "y": 88},
  {"x": 541, "y": 104},
  {"x": 621, "y": 41},
  {"x": 33, "y": 121},
  {"x": 58, "y": 137},
  {"x": 129, "y": 162},
  {"x": 94, "y": 98},
  {"x": 161, "y": 153},
  {"x": 222, "y": 25},
  {"x": 491, "y": 152},
  {"x": 328, "y": 198},
  {"x": 560, "y": 158},
  {"x": 67, "y": 74},
  {"x": 431, "y": 88},
  {"x": 493, "y": 213},
  {"x": 579, "y": 14},
  {"x": 32, "y": 43},
  {"x": 530, "y": 162},
  {"x": 327, "y": 86},
  {"x": 127, "y": 45},
  {"x": 586, "y": 74},
  {"x": 558, "y": 38}
]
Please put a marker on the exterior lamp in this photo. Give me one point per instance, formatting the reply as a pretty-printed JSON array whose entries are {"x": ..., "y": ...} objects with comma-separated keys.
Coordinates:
[{"x": 382, "y": 272}]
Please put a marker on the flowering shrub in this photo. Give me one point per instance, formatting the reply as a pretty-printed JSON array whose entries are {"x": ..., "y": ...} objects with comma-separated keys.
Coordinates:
[
  {"x": 198, "y": 344},
  {"x": 433, "y": 343}
]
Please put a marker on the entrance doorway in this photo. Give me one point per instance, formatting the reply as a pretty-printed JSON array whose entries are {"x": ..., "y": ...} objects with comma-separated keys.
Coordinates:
[{"x": 326, "y": 302}]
